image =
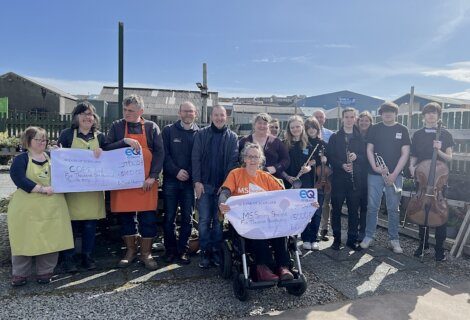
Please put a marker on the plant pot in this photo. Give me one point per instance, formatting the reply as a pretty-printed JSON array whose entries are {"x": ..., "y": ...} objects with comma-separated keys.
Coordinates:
[
  {"x": 193, "y": 245},
  {"x": 452, "y": 232},
  {"x": 5, "y": 251}
]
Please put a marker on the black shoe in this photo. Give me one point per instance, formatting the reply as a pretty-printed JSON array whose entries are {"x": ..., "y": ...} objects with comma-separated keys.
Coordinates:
[
  {"x": 336, "y": 245},
  {"x": 184, "y": 258},
  {"x": 170, "y": 258},
  {"x": 215, "y": 258},
  {"x": 419, "y": 252},
  {"x": 204, "y": 261},
  {"x": 440, "y": 256},
  {"x": 88, "y": 263},
  {"x": 323, "y": 234},
  {"x": 353, "y": 245},
  {"x": 68, "y": 265}
]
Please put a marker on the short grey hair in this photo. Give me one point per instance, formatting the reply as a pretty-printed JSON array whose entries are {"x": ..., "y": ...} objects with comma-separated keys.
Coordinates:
[
  {"x": 134, "y": 99},
  {"x": 261, "y": 116},
  {"x": 247, "y": 147}
]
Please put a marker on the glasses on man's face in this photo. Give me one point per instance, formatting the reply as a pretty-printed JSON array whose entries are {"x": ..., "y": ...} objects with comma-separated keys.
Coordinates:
[
  {"x": 253, "y": 158},
  {"x": 41, "y": 140}
]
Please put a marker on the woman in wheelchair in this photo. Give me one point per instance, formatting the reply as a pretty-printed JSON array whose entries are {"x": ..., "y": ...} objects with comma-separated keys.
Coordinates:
[{"x": 249, "y": 179}]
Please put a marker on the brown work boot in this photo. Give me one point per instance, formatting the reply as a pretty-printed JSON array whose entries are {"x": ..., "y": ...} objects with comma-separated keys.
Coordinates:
[
  {"x": 131, "y": 252},
  {"x": 146, "y": 254}
]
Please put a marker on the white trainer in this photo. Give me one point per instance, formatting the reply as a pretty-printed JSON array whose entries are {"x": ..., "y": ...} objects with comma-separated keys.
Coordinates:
[
  {"x": 366, "y": 243},
  {"x": 395, "y": 244},
  {"x": 315, "y": 246},
  {"x": 307, "y": 246}
]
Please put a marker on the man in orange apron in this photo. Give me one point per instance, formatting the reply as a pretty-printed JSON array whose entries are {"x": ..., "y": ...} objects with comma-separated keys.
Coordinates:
[{"x": 137, "y": 204}]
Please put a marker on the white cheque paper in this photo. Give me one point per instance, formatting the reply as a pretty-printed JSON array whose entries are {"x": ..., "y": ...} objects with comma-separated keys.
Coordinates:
[
  {"x": 272, "y": 214},
  {"x": 77, "y": 170}
]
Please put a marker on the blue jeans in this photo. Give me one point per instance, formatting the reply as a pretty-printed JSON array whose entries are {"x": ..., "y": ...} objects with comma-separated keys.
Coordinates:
[
  {"x": 376, "y": 187},
  {"x": 175, "y": 194},
  {"x": 210, "y": 228},
  {"x": 87, "y": 229},
  {"x": 147, "y": 221},
  {"x": 311, "y": 230}
]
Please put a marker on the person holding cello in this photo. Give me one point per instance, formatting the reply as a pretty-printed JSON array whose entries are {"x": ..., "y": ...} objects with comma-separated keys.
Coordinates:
[{"x": 423, "y": 145}]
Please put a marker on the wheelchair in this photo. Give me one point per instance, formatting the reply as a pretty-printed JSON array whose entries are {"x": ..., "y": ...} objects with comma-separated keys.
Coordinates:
[{"x": 237, "y": 263}]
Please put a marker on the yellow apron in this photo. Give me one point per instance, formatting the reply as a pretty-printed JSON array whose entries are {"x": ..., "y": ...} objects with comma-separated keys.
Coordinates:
[
  {"x": 85, "y": 205},
  {"x": 38, "y": 223}
]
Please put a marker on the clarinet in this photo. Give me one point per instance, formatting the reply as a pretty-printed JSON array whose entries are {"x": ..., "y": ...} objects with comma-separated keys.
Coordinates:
[{"x": 350, "y": 162}]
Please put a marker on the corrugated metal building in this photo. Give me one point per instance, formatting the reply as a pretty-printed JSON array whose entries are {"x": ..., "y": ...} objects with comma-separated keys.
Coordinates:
[
  {"x": 29, "y": 95},
  {"x": 161, "y": 103}
]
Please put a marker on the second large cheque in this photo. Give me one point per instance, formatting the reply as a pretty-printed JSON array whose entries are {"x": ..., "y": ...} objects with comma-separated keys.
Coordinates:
[
  {"x": 272, "y": 214},
  {"x": 77, "y": 170}
]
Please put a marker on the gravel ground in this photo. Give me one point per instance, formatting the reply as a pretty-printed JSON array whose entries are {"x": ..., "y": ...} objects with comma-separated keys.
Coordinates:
[{"x": 206, "y": 296}]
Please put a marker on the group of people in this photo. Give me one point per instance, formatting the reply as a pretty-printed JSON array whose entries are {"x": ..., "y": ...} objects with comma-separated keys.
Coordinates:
[{"x": 203, "y": 167}]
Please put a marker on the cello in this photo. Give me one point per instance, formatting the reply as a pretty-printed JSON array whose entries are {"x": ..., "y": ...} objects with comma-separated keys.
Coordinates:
[
  {"x": 428, "y": 207},
  {"x": 323, "y": 172}
]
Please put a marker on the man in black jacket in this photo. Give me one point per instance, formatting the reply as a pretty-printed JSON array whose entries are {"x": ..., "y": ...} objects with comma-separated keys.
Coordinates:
[
  {"x": 215, "y": 153},
  {"x": 178, "y": 188},
  {"x": 346, "y": 153}
]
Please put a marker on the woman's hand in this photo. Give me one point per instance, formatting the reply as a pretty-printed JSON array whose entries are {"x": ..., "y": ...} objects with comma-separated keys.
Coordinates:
[
  {"x": 48, "y": 191},
  {"x": 224, "y": 208},
  {"x": 315, "y": 204},
  {"x": 305, "y": 169},
  {"x": 134, "y": 144},
  {"x": 97, "y": 152}
]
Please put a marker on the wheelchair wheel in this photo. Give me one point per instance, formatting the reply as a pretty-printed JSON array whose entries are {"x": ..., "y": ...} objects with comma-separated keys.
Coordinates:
[
  {"x": 239, "y": 289},
  {"x": 225, "y": 267},
  {"x": 299, "y": 288}
]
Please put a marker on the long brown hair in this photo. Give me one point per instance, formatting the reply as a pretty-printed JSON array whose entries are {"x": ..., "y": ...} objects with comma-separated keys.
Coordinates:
[{"x": 303, "y": 136}]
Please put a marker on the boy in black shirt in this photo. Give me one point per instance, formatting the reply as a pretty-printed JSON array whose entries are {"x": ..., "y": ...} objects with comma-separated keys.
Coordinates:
[
  {"x": 346, "y": 153},
  {"x": 422, "y": 148},
  {"x": 391, "y": 141}
]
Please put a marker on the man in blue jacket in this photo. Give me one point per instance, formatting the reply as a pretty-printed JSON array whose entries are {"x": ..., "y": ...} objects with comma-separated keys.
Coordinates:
[
  {"x": 215, "y": 153},
  {"x": 178, "y": 189}
]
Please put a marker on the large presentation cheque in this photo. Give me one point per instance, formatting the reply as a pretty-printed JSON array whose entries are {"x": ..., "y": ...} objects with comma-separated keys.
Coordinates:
[
  {"x": 77, "y": 170},
  {"x": 272, "y": 214}
]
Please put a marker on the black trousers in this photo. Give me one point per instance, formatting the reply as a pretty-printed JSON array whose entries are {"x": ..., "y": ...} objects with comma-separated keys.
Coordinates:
[
  {"x": 342, "y": 190},
  {"x": 263, "y": 253},
  {"x": 440, "y": 236}
]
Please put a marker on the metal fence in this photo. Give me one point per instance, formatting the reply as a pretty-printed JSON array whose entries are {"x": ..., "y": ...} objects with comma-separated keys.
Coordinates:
[{"x": 16, "y": 122}]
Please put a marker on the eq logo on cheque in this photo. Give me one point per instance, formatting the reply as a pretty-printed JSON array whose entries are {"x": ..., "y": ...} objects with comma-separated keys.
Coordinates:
[
  {"x": 307, "y": 194},
  {"x": 131, "y": 152}
]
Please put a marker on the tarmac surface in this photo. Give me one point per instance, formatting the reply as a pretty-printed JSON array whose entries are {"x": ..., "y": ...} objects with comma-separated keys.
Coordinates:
[{"x": 371, "y": 284}]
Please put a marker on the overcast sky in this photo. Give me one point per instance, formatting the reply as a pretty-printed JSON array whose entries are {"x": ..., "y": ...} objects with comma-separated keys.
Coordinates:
[{"x": 263, "y": 47}]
